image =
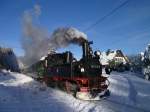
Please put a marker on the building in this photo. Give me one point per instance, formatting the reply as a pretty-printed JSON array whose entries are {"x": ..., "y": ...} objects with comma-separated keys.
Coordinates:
[{"x": 114, "y": 58}]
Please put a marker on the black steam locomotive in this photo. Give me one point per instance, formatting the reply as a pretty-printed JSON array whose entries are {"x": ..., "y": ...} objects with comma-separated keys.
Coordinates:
[{"x": 82, "y": 78}]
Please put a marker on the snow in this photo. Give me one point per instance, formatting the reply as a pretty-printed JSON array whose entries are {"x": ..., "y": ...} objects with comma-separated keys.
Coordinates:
[
  {"x": 103, "y": 59},
  {"x": 43, "y": 58},
  {"x": 19, "y": 92}
]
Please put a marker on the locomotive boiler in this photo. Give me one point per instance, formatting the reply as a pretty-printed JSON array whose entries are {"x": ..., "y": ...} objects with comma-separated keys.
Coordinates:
[{"x": 81, "y": 78}]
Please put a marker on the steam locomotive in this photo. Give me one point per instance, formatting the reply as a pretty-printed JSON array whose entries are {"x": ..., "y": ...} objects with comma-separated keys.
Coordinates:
[{"x": 81, "y": 78}]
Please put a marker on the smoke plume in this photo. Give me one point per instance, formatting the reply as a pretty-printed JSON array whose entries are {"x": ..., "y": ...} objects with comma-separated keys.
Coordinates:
[
  {"x": 62, "y": 37},
  {"x": 37, "y": 42}
]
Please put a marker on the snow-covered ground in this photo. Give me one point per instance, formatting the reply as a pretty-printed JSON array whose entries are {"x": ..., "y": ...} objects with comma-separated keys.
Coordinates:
[{"x": 20, "y": 93}]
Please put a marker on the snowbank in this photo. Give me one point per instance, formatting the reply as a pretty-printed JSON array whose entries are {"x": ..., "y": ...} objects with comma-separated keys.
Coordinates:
[{"x": 20, "y": 93}]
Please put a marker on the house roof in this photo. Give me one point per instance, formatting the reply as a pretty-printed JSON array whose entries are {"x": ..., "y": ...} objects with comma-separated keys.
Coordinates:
[{"x": 113, "y": 53}]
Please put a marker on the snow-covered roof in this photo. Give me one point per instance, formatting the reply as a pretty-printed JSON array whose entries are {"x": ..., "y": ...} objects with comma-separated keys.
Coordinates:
[
  {"x": 5, "y": 50},
  {"x": 105, "y": 58},
  {"x": 43, "y": 58},
  {"x": 111, "y": 55}
]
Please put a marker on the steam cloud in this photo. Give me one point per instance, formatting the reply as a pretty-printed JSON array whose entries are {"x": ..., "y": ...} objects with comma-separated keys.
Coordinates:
[
  {"x": 36, "y": 41},
  {"x": 62, "y": 37}
]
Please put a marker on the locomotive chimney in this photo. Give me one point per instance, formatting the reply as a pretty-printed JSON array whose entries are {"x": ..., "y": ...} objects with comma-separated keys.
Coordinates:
[{"x": 87, "y": 51}]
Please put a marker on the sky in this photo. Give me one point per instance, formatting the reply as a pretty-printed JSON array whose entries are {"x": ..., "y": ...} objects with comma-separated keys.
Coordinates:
[{"x": 127, "y": 29}]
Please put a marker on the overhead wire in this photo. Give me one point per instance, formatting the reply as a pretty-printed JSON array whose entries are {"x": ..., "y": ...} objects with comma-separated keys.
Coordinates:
[{"x": 105, "y": 16}]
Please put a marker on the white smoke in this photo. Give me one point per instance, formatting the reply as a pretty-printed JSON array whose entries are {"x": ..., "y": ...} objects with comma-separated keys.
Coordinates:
[
  {"x": 37, "y": 10},
  {"x": 36, "y": 41}
]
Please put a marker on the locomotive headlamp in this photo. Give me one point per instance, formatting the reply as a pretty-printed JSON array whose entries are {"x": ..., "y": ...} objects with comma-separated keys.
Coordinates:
[
  {"x": 82, "y": 69},
  {"x": 84, "y": 81},
  {"x": 97, "y": 53}
]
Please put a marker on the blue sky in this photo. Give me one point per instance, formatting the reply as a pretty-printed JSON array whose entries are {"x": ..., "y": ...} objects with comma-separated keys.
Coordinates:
[{"x": 127, "y": 29}]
